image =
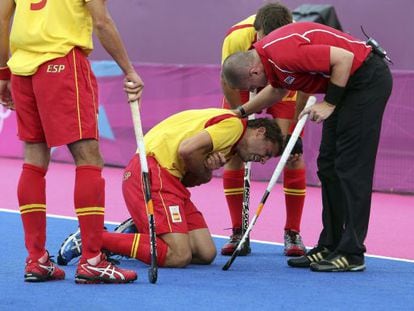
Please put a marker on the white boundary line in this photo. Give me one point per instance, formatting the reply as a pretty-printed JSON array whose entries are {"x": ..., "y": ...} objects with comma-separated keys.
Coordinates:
[
  {"x": 281, "y": 244},
  {"x": 214, "y": 235},
  {"x": 55, "y": 216}
]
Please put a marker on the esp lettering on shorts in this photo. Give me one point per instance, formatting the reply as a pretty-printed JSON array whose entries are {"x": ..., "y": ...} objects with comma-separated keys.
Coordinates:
[{"x": 55, "y": 68}]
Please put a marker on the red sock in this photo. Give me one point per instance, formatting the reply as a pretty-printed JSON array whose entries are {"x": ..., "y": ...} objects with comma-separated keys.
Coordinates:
[
  {"x": 31, "y": 193},
  {"x": 294, "y": 186},
  {"x": 233, "y": 191},
  {"x": 135, "y": 246},
  {"x": 89, "y": 206}
]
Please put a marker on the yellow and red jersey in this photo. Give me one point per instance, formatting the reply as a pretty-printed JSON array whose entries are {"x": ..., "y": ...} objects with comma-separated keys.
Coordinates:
[
  {"x": 47, "y": 29},
  {"x": 163, "y": 140},
  {"x": 240, "y": 38}
]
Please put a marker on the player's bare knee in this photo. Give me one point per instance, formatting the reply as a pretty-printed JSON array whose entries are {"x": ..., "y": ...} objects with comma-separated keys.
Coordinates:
[
  {"x": 208, "y": 256},
  {"x": 184, "y": 259},
  {"x": 179, "y": 258},
  {"x": 37, "y": 154},
  {"x": 86, "y": 152}
]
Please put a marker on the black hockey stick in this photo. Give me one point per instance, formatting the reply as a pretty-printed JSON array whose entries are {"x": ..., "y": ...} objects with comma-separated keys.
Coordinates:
[{"x": 139, "y": 136}]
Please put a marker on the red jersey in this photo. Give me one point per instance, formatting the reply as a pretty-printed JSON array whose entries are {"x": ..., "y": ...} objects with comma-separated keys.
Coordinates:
[{"x": 297, "y": 56}]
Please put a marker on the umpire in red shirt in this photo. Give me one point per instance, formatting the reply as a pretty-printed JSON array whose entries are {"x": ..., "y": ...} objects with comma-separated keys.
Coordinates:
[{"x": 357, "y": 83}]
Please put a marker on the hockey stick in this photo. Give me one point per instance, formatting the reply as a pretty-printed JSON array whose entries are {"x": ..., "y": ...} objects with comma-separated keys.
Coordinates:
[
  {"x": 273, "y": 180},
  {"x": 246, "y": 188},
  {"x": 139, "y": 136}
]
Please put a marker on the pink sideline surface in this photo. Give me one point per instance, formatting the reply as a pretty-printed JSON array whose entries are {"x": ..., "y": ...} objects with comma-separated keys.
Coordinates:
[{"x": 390, "y": 233}]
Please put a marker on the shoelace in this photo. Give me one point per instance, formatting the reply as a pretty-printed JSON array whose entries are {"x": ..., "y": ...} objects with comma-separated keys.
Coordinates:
[
  {"x": 291, "y": 237},
  {"x": 111, "y": 258},
  {"x": 235, "y": 238}
]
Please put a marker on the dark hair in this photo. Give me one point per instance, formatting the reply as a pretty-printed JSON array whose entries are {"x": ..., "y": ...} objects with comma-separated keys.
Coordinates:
[
  {"x": 272, "y": 16},
  {"x": 273, "y": 132}
]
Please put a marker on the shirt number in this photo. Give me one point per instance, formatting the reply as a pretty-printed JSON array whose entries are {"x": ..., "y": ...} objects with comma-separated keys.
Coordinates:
[{"x": 38, "y": 6}]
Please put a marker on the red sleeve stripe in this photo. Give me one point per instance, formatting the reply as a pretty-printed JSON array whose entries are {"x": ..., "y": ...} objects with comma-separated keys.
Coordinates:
[
  {"x": 237, "y": 27},
  {"x": 218, "y": 119}
]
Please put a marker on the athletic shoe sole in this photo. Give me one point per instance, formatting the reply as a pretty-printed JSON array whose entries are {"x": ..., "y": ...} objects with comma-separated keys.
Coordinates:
[
  {"x": 79, "y": 279},
  {"x": 35, "y": 278},
  {"x": 294, "y": 252},
  {"x": 321, "y": 268}
]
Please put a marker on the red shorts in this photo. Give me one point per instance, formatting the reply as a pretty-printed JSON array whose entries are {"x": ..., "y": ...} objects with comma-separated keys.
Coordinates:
[
  {"x": 282, "y": 110},
  {"x": 59, "y": 103},
  {"x": 173, "y": 210}
]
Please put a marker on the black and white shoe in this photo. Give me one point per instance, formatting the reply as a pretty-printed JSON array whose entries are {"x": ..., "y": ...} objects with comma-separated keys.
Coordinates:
[
  {"x": 316, "y": 254},
  {"x": 71, "y": 248},
  {"x": 339, "y": 263}
]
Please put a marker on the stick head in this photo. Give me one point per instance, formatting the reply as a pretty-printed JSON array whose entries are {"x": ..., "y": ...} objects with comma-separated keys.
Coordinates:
[
  {"x": 152, "y": 274},
  {"x": 226, "y": 266},
  {"x": 231, "y": 260}
]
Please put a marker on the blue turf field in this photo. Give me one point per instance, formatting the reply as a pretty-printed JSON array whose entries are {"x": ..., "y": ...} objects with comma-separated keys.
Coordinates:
[{"x": 261, "y": 281}]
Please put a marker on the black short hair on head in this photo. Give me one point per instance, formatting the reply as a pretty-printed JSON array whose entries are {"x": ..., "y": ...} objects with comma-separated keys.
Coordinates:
[
  {"x": 273, "y": 131},
  {"x": 272, "y": 16}
]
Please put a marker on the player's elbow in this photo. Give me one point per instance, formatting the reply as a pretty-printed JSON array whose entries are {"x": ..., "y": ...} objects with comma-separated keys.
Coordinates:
[
  {"x": 184, "y": 152},
  {"x": 348, "y": 57},
  {"x": 102, "y": 23},
  {"x": 341, "y": 57}
]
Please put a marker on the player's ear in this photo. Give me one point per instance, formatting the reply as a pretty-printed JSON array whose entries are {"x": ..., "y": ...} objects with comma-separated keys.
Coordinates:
[
  {"x": 253, "y": 71},
  {"x": 260, "y": 34},
  {"x": 261, "y": 131}
]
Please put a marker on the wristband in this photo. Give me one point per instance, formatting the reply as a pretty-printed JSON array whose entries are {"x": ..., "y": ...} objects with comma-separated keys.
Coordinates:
[
  {"x": 243, "y": 113},
  {"x": 5, "y": 73},
  {"x": 334, "y": 94}
]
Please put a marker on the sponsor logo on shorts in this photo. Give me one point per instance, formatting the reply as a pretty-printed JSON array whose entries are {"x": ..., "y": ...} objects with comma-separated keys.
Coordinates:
[
  {"x": 175, "y": 213},
  {"x": 55, "y": 68},
  {"x": 127, "y": 174}
]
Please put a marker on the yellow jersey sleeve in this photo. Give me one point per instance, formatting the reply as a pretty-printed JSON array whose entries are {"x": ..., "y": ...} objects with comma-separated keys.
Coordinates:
[{"x": 225, "y": 135}]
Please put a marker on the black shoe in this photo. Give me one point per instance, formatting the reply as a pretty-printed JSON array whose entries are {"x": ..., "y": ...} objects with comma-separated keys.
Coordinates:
[
  {"x": 316, "y": 254},
  {"x": 229, "y": 248},
  {"x": 339, "y": 263}
]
